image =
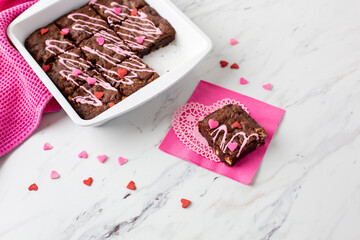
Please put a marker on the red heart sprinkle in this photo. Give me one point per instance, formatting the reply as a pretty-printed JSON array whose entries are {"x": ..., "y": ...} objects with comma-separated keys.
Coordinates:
[
  {"x": 134, "y": 12},
  {"x": 131, "y": 186},
  {"x": 88, "y": 181},
  {"x": 44, "y": 30},
  {"x": 236, "y": 125},
  {"x": 234, "y": 66},
  {"x": 33, "y": 187},
  {"x": 98, "y": 95},
  {"x": 111, "y": 104},
  {"x": 122, "y": 72},
  {"x": 185, "y": 203},
  {"x": 223, "y": 63},
  {"x": 46, "y": 68}
]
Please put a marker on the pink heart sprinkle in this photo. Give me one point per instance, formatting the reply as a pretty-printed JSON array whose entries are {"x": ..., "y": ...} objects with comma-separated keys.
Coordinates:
[
  {"x": 233, "y": 41},
  {"x": 54, "y": 174},
  {"x": 122, "y": 160},
  {"x": 140, "y": 39},
  {"x": 213, "y": 124},
  {"x": 83, "y": 154},
  {"x": 232, "y": 146},
  {"x": 102, "y": 158},
  {"x": 267, "y": 86},
  {"x": 117, "y": 10},
  {"x": 65, "y": 30},
  {"x": 100, "y": 41},
  {"x": 92, "y": 1},
  {"x": 91, "y": 81},
  {"x": 47, "y": 146},
  {"x": 76, "y": 72},
  {"x": 243, "y": 81}
]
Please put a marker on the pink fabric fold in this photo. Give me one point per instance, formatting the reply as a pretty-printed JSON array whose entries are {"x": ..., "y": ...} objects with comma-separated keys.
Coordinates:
[
  {"x": 206, "y": 94},
  {"x": 23, "y": 97}
]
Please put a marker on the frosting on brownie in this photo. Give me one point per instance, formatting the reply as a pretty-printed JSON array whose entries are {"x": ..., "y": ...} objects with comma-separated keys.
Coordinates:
[
  {"x": 52, "y": 46},
  {"x": 84, "y": 22},
  {"x": 224, "y": 146}
]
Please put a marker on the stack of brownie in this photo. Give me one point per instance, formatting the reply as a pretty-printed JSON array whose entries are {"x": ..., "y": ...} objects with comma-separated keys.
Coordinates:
[{"x": 93, "y": 54}]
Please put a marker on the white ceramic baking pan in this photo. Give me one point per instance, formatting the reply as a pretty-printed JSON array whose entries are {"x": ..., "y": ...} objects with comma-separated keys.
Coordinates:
[{"x": 171, "y": 62}]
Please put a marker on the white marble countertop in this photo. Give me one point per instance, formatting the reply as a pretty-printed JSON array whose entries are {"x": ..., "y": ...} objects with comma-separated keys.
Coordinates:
[{"x": 307, "y": 187}]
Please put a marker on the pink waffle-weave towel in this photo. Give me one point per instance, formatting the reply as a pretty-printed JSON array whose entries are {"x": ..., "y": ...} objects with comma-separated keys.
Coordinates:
[
  {"x": 23, "y": 97},
  {"x": 184, "y": 140}
]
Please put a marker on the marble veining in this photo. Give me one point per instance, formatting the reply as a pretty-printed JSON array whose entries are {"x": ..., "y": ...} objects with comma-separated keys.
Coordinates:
[{"x": 307, "y": 187}]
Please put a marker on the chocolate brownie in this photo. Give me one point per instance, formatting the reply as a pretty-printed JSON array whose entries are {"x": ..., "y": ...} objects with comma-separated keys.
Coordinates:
[
  {"x": 91, "y": 100},
  {"x": 231, "y": 133},
  {"x": 46, "y": 43},
  {"x": 62, "y": 71},
  {"x": 81, "y": 24},
  {"x": 116, "y": 11},
  {"x": 130, "y": 75},
  {"x": 146, "y": 31},
  {"x": 105, "y": 48}
]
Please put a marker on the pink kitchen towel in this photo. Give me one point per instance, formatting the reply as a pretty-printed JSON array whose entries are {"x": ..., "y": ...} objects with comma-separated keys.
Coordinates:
[
  {"x": 185, "y": 142},
  {"x": 23, "y": 97}
]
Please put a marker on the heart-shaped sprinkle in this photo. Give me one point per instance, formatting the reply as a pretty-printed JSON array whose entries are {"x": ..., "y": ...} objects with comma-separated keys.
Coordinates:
[
  {"x": 44, "y": 30},
  {"x": 232, "y": 146},
  {"x": 140, "y": 39},
  {"x": 122, "y": 160},
  {"x": 223, "y": 63},
  {"x": 131, "y": 186},
  {"x": 76, "y": 72},
  {"x": 33, "y": 187},
  {"x": 54, "y": 174},
  {"x": 88, "y": 181},
  {"x": 267, "y": 86},
  {"x": 83, "y": 154},
  {"x": 46, "y": 68},
  {"x": 102, "y": 158},
  {"x": 47, "y": 146},
  {"x": 236, "y": 125},
  {"x": 213, "y": 124},
  {"x": 117, "y": 10},
  {"x": 122, "y": 72},
  {"x": 100, "y": 40},
  {"x": 111, "y": 104},
  {"x": 185, "y": 203},
  {"x": 134, "y": 12},
  {"x": 234, "y": 66},
  {"x": 91, "y": 81},
  {"x": 233, "y": 41},
  {"x": 98, "y": 95},
  {"x": 243, "y": 81},
  {"x": 64, "y": 31}
]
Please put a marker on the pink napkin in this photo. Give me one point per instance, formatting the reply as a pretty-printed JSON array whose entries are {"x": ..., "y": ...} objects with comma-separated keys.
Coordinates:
[
  {"x": 23, "y": 97},
  {"x": 184, "y": 141}
]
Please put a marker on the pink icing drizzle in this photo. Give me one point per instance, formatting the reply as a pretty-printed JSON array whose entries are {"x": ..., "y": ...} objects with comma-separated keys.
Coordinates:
[
  {"x": 141, "y": 25},
  {"x": 138, "y": 66},
  {"x": 111, "y": 43},
  {"x": 114, "y": 17},
  {"x": 86, "y": 23},
  {"x": 88, "y": 99},
  {"x": 223, "y": 147},
  {"x": 52, "y": 47}
]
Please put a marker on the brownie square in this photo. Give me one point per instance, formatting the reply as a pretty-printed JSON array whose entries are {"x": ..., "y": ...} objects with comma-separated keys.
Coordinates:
[
  {"x": 88, "y": 102},
  {"x": 61, "y": 71},
  {"x": 156, "y": 31},
  {"x": 83, "y": 23},
  {"x": 110, "y": 9},
  {"x": 138, "y": 74},
  {"x": 46, "y": 43},
  {"x": 105, "y": 48},
  {"x": 231, "y": 133}
]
